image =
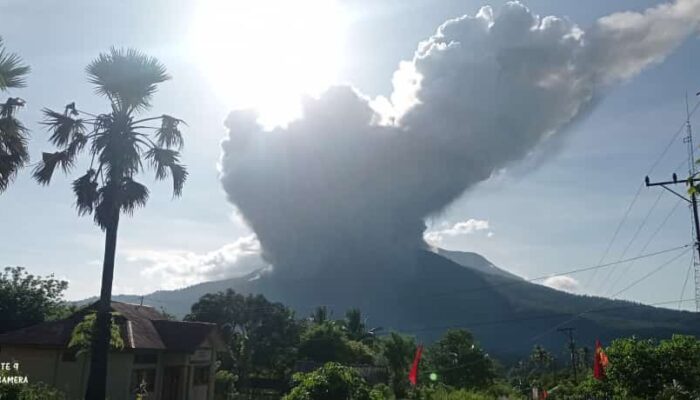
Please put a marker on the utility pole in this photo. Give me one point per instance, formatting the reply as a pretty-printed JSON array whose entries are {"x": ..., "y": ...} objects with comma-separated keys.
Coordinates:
[
  {"x": 572, "y": 348},
  {"x": 692, "y": 199}
]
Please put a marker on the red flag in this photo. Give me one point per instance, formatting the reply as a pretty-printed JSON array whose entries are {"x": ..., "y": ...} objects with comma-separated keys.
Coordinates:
[
  {"x": 600, "y": 362},
  {"x": 413, "y": 375}
]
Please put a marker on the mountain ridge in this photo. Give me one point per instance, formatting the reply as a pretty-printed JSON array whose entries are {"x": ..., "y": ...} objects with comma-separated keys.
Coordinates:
[{"x": 506, "y": 313}]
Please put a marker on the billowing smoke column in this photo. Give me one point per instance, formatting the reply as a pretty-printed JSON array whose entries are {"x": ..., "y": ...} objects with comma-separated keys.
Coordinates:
[{"x": 359, "y": 176}]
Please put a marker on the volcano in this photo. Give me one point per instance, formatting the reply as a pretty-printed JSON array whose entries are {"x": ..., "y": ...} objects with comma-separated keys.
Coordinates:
[{"x": 441, "y": 289}]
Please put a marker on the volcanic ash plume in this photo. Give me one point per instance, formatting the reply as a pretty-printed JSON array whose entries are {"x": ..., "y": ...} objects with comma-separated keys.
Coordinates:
[{"x": 359, "y": 176}]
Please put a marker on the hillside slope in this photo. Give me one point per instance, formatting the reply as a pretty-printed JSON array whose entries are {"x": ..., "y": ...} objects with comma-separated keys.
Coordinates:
[{"x": 507, "y": 314}]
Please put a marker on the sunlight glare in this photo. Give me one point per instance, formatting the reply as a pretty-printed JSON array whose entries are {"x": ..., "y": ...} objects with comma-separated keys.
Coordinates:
[{"x": 267, "y": 54}]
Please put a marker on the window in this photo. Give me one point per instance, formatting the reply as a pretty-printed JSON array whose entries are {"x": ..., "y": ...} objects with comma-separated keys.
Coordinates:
[
  {"x": 143, "y": 379},
  {"x": 201, "y": 375}
]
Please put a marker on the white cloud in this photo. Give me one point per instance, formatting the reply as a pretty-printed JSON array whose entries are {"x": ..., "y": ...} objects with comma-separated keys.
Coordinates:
[
  {"x": 563, "y": 283},
  {"x": 467, "y": 227},
  {"x": 175, "y": 268}
]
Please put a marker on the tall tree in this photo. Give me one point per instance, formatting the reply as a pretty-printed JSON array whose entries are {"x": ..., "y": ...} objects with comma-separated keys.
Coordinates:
[
  {"x": 398, "y": 352},
  {"x": 27, "y": 299},
  {"x": 13, "y": 135},
  {"x": 119, "y": 142},
  {"x": 354, "y": 325},
  {"x": 333, "y": 381},
  {"x": 262, "y": 336},
  {"x": 460, "y": 362},
  {"x": 320, "y": 315}
]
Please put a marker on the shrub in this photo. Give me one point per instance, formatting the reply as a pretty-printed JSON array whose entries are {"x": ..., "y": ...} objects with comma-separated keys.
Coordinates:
[{"x": 330, "y": 382}]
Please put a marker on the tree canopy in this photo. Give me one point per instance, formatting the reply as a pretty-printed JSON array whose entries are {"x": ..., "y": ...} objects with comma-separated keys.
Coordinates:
[
  {"x": 458, "y": 361},
  {"x": 263, "y": 336},
  {"x": 14, "y": 153},
  {"x": 333, "y": 381},
  {"x": 27, "y": 299}
]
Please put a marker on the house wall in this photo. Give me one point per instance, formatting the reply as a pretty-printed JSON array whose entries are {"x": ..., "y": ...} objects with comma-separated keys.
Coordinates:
[
  {"x": 46, "y": 365},
  {"x": 39, "y": 365}
]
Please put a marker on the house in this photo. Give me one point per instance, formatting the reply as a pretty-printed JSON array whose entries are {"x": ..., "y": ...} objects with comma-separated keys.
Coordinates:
[{"x": 173, "y": 360}]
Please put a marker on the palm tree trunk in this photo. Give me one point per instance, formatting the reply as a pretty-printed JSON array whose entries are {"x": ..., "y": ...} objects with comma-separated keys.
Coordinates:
[{"x": 97, "y": 381}]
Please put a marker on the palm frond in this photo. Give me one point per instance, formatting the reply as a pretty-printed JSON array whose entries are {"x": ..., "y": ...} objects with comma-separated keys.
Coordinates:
[
  {"x": 10, "y": 163},
  {"x": 85, "y": 189},
  {"x": 179, "y": 173},
  {"x": 63, "y": 127},
  {"x": 161, "y": 159},
  {"x": 133, "y": 194},
  {"x": 169, "y": 135},
  {"x": 167, "y": 162},
  {"x": 45, "y": 169},
  {"x": 14, "y": 153},
  {"x": 12, "y": 69},
  {"x": 78, "y": 143},
  {"x": 118, "y": 146},
  {"x": 127, "y": 77},
  {"x": 10, "y": 107}
]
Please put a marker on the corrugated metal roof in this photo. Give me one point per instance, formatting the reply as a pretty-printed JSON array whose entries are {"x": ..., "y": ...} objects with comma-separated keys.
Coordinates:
[{"x": 142, "y": 327}]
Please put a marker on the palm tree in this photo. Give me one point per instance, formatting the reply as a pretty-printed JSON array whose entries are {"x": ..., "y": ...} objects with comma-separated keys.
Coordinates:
[
  {"x": 13, "y": 135},
  {"x": 354, "y": 326},
  {"x": 320, "y": 315},
  {"x": 118, "y": 144}
]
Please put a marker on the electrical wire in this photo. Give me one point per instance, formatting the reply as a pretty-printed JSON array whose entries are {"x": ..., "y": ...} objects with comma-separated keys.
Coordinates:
[
  {"x": 653, "y": 166},
  {"x": 529, "y": 318},
  {"x": 644, "y": 248},
  {"x": 636, "y": 234},
  {"x": 687, "y": 275},
  {"x": 636, "y": 282}
]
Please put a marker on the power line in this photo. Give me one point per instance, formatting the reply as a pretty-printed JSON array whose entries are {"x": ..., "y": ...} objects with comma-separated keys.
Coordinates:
[
  {"x": 692, "y": 194},
  {"x": 636, "y": 234},
  {"x": 648, "y": 242},
  {"x": 639, "y": 190},
  {"x": 617, "y": 232},
  {"x": 573, "y": 271},
  {"x": 673, "y": 139},
  {"x": 531, "y": 317},
  {"x": 687, "y": 275},
  {"x": 655, "y": 270}
]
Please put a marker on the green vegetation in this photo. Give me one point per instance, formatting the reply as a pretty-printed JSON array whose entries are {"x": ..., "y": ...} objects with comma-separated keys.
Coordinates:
[
  {"x": 459, "y": 362},
  {"x": 328, "y": 342},
  {"x": 268, "y": 345},
  {"x": 31, "y": 391},
  {"x": 119, "y": 143},
  {"x": 27, "y": 299},
  {"x": 83, "y": 333},
  {"x": 13, "y": 134},
  {"x": 330, "y": 382},
  {"x": 263, "y": 337},
  {"x": 344, "y": 359}
]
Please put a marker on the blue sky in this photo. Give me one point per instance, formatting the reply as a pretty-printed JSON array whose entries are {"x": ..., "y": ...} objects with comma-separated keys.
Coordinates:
[{"x": 553, "y": 215}]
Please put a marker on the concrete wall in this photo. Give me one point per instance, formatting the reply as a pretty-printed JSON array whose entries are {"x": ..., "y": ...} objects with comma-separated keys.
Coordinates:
[
  {"x": 46, "y": 365},
  {"x": 39, "y": 365}
]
